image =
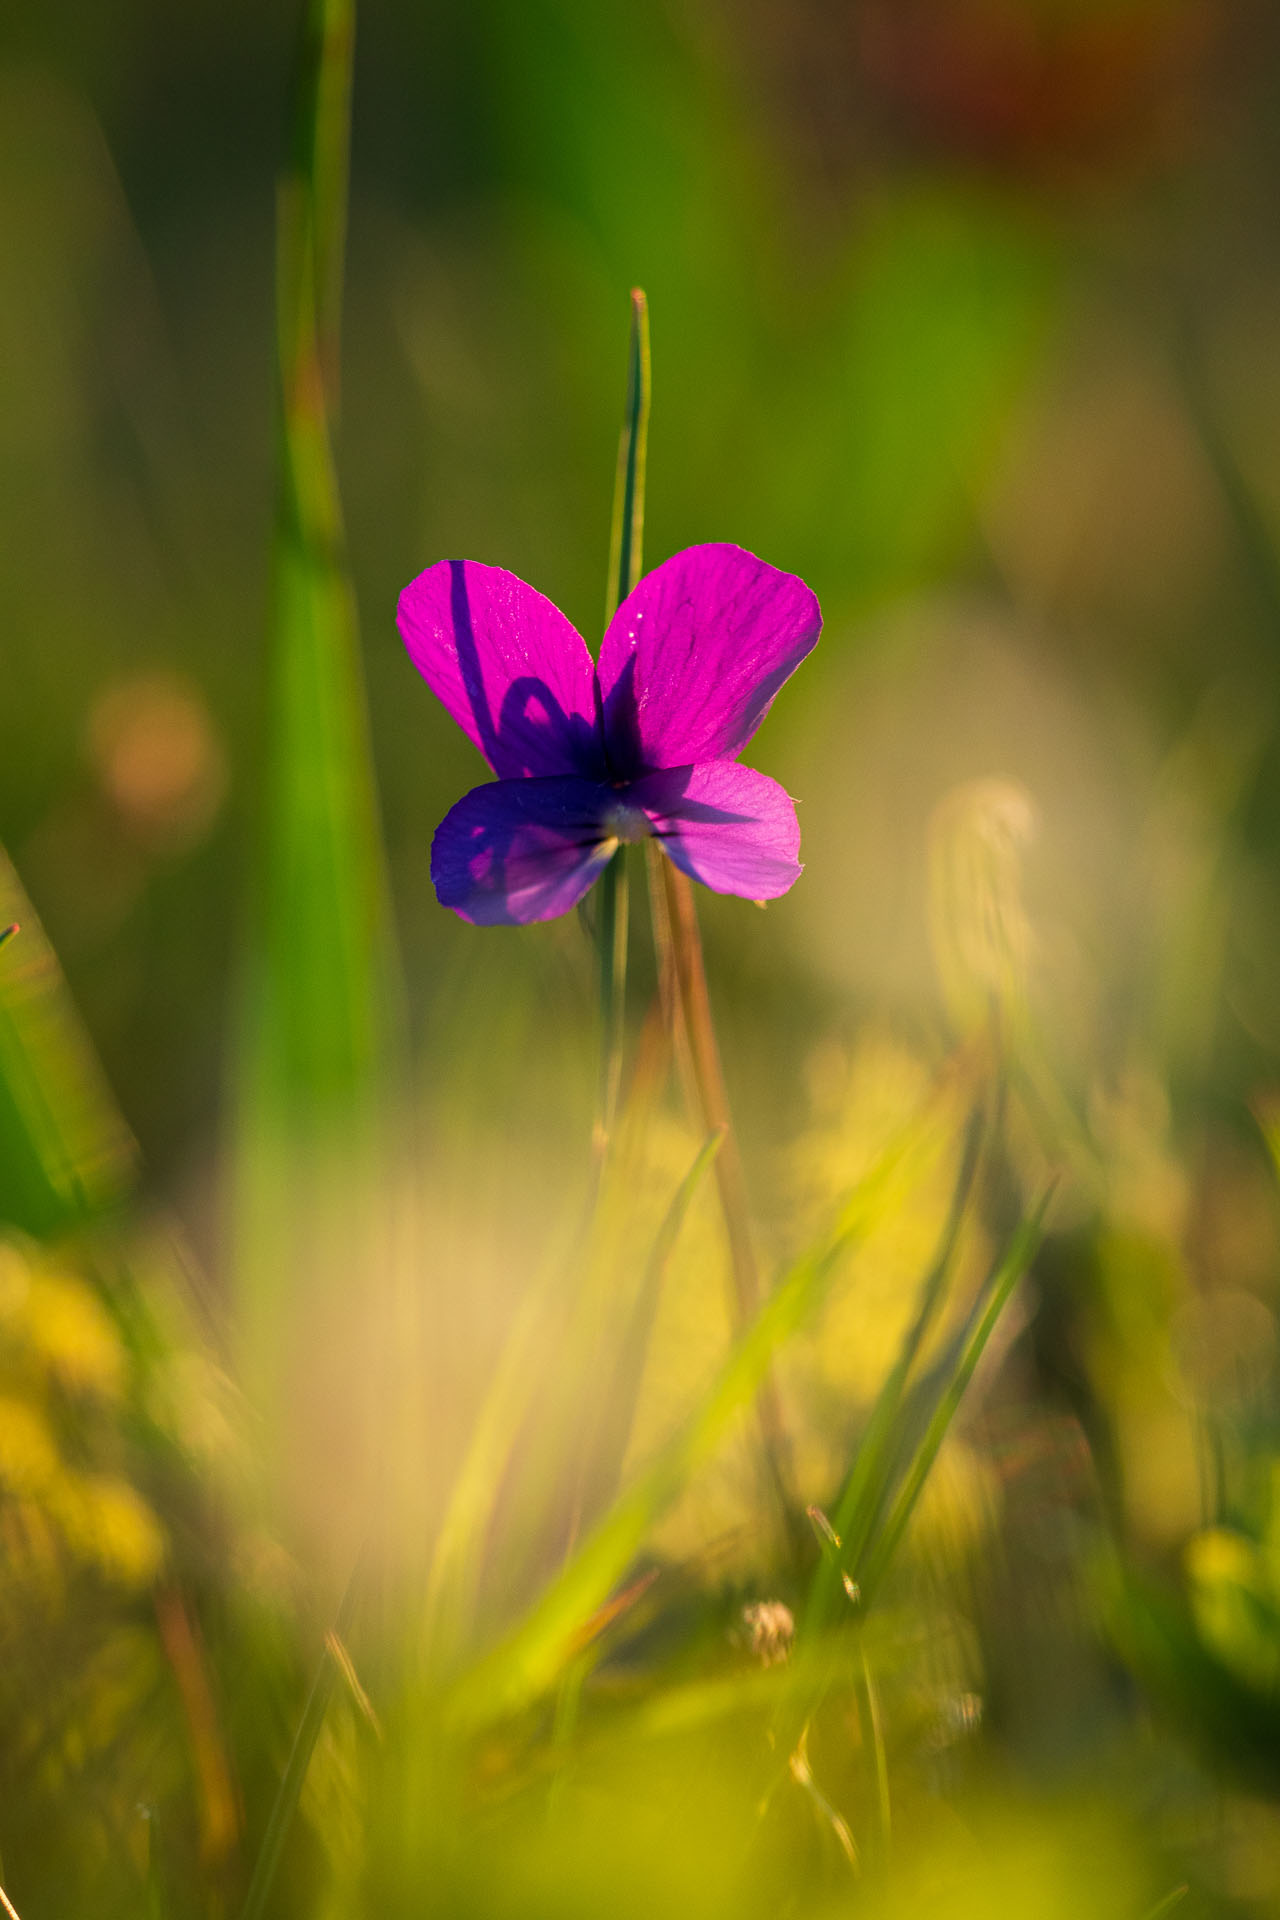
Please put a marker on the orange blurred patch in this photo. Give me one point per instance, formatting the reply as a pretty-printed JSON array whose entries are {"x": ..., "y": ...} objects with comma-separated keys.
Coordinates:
[
  {"x": 1022, "y": 83},
  {"x": 158, "y": 759}
]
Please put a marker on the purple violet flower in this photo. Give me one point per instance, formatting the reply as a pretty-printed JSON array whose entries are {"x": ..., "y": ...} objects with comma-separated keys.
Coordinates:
[{"x": 588, "y": 756}]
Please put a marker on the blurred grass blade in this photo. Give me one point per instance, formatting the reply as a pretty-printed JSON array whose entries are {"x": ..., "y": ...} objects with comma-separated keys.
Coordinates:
[
  {"x": 1230, "y": 1722},
  {"x": 285, "y": 1805},
  {"x": 677, "y": 935},
  {"x": 1167, "y": 1905},
  {"x": 1245, "y": 511},
  {"x": 864, "y": 1491},
  {"x": 871, "y": 1722},
  {"x": 508, "y": 1397},
  {"x": 1266, "y": 1111},
  {"x": 530, "y": 1659},
  {"x": 313, "y": 196},
  {"x": 158, "y": 1907},
  {"x": 1017, "y": 1258},
  {"x": 321, "y": 998},
  {"x": 507, "y": 1401},
  {"x": 218, "y": 1803},
  {"x": 320, "y": 1004},
  {"x": 606, "y": 1448},
  {"x": 65, "y": 1152},
  {"x": 328, "y": 925}
]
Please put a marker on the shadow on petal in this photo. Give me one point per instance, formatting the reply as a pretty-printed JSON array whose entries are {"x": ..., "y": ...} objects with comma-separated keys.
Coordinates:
[
  {"x": 726, "y": 825},
  {"x": 517, "y": 851}
]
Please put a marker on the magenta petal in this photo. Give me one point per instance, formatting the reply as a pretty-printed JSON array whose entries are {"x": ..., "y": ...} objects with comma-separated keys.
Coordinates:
[
  {"x": 513, "y": 672},
  {"x": 520, "y": 850},
  {"x": 726, "y": 825},
  {"x": 694, "y": 656}
]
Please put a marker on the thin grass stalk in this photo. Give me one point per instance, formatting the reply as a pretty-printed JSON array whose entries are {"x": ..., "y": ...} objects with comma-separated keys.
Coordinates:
[
  {"x": 158, "y": 1905},
  {"x": 613, "y": 895},
  {"x": 695, "y": 1006},
  {"x": 210, "y": 1763},
  {"x": 1167, "y": 1905},
  {"x": 690, "y": 979},
  {"x": 796, "y": 1714},
  {"x": 609, "y": 1429},
  {"x": 456, "y": 1554},
  {"x": 313, "y": 195},
  {"x": 1244, "y": 509},
  {"x": 871, "y": 1723},
  {"x": 626, "y": 549},
  {"x": 288, "y": 1793},
  {"x": 626, "y": 540},
  {"x": 563, "y": 1727},
  {"x": 669, "y": 1000},
  {"x": 860, "y": 1501},
  {"x": 1009, "y": 1272}
]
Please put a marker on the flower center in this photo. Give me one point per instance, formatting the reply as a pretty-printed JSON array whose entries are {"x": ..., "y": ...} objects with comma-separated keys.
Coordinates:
[{"x": 625, "y": 823}]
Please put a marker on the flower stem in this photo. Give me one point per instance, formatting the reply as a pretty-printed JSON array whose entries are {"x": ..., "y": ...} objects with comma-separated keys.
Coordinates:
[
  {"x": 626, "y": 546},
  {"x": 611, "y": 936},
  {"x": 682, "y": 975},
  {"x": 679, "y": 944}
]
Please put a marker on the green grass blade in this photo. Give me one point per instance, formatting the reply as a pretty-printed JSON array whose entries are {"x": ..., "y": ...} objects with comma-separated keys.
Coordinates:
[
  {"x": 314, "y": 192},
  {"x": 1245, "y": 511},
  {"x": 504, "y": 1408},
  {"x": 503, "y": 1412},
  {"x": 860, "y": 1501},
  {"x": 320, "y": 1002},
  {"x": 328, "y": 934},
  {"x": 292, "y": 1780},
  {"x": 1011, "y": 1268},
  {"x": 606, "y": 1450},
  {"x": 65, "y": 1152},
  {"x": 626, "y": 545},
  {"x": 529, "y": 1660},
  {"x": 290, "y": 1790},
  {"x": 1167, "y": 1905},
  {"x": 158, "y": 1906}
]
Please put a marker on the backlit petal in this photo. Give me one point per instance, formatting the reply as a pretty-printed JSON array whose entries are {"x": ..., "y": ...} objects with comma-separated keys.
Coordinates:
[
  {"x": 693, "y": 658},
  {"x": 726, "y": 825},
  {"x": 513, "y": 672}
]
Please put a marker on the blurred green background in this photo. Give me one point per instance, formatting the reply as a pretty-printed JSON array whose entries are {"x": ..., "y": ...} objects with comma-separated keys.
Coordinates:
[
  {"x": 966, "y": 311},
  {"x": 963, "y": 312}
]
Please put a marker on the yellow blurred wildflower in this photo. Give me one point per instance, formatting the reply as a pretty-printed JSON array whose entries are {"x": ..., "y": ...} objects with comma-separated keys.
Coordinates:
[{"x": 73, "y": 1338}]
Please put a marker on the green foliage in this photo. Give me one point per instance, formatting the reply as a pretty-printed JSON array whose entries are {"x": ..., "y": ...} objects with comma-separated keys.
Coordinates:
[{"x": 65, "y": 1152}]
